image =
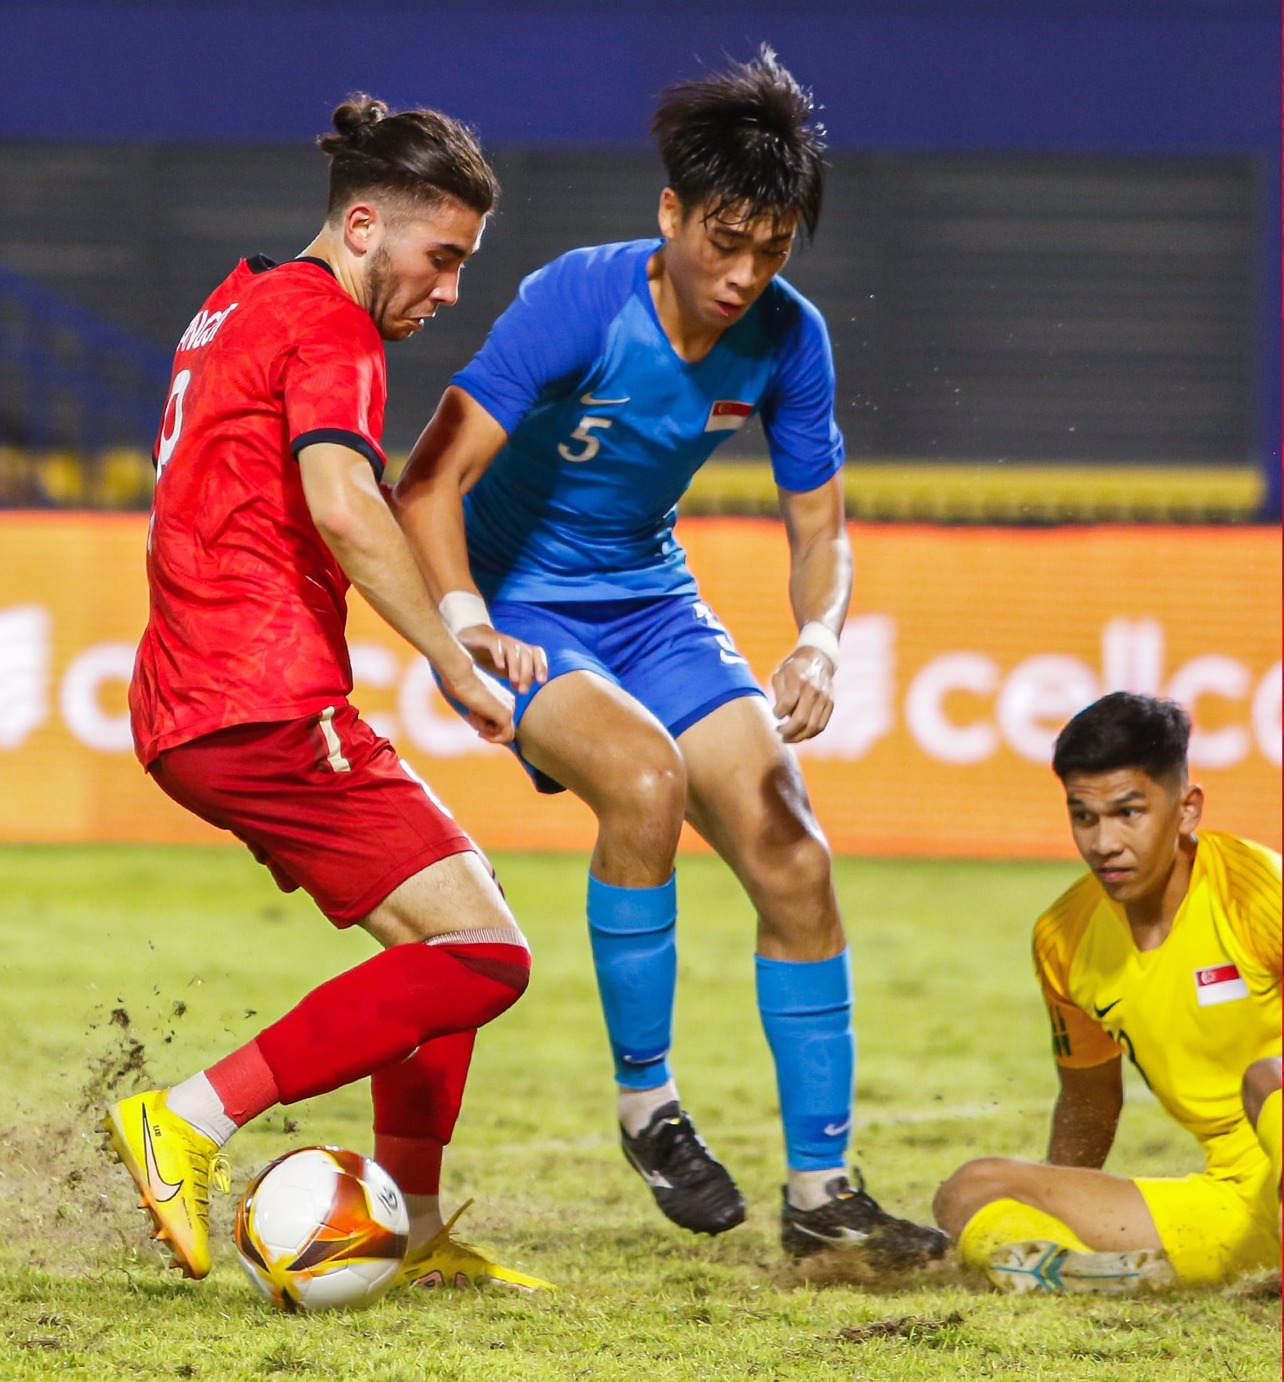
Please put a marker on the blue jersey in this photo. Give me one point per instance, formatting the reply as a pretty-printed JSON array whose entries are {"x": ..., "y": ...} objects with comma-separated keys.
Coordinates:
[{"x": 607, "y": 424}]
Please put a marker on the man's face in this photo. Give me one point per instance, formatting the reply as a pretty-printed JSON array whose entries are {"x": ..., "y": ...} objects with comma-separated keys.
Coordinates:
[
  {"x": 720, "y": 265},
  {"x": 414, "y": 268},
  {"x": 1128, "y": 826}
]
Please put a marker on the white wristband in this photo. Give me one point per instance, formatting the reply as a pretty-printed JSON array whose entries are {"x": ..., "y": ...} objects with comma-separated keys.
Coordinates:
[
  {"x": 816, "y": 635},
  {"x": 461, "y": 609}
]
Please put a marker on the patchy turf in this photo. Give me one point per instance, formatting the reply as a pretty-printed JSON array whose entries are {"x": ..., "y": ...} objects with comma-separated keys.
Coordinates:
[{"x": 128, "y": 967}]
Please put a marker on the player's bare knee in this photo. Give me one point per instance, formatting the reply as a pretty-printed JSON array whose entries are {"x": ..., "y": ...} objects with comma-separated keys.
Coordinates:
[
  {"x": 1261, "y": 1079},
  {"x": 975, "y": 1184},
  {"x": 793, "y": 863},
  {"x": 640, "y": 814},
  {"x": 654, "y": 785},
  {"x": 811, "y": 866}
]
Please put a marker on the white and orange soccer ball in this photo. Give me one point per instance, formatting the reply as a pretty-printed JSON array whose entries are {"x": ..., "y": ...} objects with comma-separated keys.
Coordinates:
[{"x": 322, "y": 1228}]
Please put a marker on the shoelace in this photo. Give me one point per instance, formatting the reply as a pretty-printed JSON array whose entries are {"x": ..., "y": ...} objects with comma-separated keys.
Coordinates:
[
  {"x": 682, "y": 1143},
  {"x": 443, "y": 1233},
  {"x": 218, "y": 1174},
  {"x": 455, "y": 1217},
  {"x": 221, "y": 1173},
  {"x": 854, "y": 1188},
  {"x": 851, "y": 1189}
]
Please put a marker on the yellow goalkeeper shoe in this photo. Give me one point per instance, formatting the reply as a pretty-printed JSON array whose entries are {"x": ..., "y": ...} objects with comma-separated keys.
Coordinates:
[
  {"x": 172, "y": 1164},
  {"x": 443, "y": 1261},
  {"x": 1038, "y": 1266}
]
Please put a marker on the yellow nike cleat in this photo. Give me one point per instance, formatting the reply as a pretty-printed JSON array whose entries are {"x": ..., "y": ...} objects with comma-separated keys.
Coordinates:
[
  {"x": 172, "y": 1164},
  {"x": 444, "y": 1262}
]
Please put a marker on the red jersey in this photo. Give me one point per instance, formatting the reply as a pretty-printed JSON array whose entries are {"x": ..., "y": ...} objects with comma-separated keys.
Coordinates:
[{"x": 248, "y": 605}]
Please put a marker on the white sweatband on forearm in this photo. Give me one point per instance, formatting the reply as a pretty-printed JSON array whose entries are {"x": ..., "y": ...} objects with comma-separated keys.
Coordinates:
[
  {"x": 461, "y": 609},
  {"x": 816, "y": 635}
]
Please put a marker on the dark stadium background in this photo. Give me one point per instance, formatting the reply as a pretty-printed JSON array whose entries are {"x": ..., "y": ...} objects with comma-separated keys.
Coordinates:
[
  {"x": 1052, "y": 233},
  {"x": 1050, "y": 265}
]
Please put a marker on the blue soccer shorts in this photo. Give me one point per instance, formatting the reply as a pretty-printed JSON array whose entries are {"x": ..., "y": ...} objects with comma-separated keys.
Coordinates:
[{"x": 672, "y": 654}]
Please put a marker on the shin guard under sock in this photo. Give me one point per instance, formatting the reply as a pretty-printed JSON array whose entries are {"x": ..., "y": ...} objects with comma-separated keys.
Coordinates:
[
  {"x": 416, "y": 1103},
  {"x": 633, "y": 935},
  {"x": 381, "y": 1011},
  {"x": 806, "y": 1010}
]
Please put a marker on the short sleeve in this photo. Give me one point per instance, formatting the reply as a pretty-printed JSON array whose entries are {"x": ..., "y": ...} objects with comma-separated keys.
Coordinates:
[
  {"x": 1078, "y": 1040},
  {"x": 803, "y": 439},
  {"x": 1253, "y": 899},
  {"x": 334, "y": 384},
  {"x": 545, "y": 340}
]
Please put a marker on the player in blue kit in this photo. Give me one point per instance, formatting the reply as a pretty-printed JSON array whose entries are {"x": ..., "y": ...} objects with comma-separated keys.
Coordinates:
[{"x": 541, "y": 502}]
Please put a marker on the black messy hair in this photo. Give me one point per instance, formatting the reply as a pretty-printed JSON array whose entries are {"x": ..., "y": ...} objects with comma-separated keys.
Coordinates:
[
  {"x": 1125, "y": 730},
  {"x": 419, "y": 156},
  {"x": 743, "y": 140}
]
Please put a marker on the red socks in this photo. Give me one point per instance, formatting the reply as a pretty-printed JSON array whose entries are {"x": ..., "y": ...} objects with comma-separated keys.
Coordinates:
[
  {"x": 416, "y": 1103},
  {"x": 380, "y": 1012},
  {"x": 244, "y": 1084}
]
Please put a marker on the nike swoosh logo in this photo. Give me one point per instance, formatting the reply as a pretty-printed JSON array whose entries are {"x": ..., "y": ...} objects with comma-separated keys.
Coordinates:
[
  {"x": 834, "y": 1129},
  {"x": 589, "y": 401},
  {"x": 655, "y": 1179},
  {"x": 161, "y": 1188},
  {"x": 1101, "y": 1012},
  {"x": 838, "y": 1235}
]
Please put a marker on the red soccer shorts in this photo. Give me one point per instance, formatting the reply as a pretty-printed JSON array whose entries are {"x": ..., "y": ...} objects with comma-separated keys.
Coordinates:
[{"x": 323, "y": 801}]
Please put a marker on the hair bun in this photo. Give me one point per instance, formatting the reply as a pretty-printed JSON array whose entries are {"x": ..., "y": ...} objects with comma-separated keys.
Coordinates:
[{"x": 357, "y": 117}]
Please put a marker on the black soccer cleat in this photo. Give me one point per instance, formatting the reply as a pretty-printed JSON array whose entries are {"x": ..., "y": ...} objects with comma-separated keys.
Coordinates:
[
  {"x": 690, "y": 1185},
  {"x": 853, "y": 1221}
]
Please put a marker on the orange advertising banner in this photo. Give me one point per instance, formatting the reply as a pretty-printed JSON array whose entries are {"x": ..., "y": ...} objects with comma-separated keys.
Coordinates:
[{"x": 965, "y": 651}]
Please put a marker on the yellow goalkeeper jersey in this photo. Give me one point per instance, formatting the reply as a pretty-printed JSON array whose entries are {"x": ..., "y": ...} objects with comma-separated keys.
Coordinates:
[{"x": 1191, "y": 1015}]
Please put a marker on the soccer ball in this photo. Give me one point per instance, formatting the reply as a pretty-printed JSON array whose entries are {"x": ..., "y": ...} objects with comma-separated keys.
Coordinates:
[{"x": 322, "y": 1228}]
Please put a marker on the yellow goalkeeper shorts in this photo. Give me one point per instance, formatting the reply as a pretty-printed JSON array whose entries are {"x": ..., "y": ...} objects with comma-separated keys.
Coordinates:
[{"x": 1215, "y": 1227}]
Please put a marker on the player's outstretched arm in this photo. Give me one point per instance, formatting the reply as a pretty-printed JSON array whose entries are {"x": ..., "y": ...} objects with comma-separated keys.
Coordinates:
[
  {"x": 1085, "y": 1117},
  {"x": 820, "y": 590},
  {"x": 452, "y": 453},
  {"x": 354, "y": 521}
]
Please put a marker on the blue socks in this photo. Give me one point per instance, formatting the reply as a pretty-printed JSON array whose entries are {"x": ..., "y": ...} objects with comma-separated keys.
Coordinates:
[
  {"x": 632, "y": 933},
  {"x": 806, "y": 1010}
]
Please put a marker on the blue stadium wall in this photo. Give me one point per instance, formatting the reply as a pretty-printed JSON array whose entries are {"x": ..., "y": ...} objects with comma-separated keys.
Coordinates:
[
  {"x": 1180, "y": 77},
  {"x": 1147, "y": 75}
]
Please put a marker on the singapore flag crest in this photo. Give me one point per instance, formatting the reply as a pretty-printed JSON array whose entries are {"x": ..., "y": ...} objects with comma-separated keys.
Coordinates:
[
  {"x": 1219, "y": 984},
  {"x": 727, "y": 415}
]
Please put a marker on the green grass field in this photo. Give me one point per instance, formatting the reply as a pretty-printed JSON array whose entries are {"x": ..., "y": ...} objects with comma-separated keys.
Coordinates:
[{"x": 123, "y": 967}]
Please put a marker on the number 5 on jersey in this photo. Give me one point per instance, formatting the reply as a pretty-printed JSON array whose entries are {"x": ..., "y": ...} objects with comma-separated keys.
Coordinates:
[{"x": 584, "y": 433}]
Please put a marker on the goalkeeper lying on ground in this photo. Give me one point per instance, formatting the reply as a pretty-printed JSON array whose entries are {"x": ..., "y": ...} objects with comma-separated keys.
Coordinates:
[{"x": 1168, "y": 953}]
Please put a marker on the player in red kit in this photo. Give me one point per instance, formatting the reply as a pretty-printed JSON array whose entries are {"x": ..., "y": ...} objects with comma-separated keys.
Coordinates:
[{"x": 267, "y": 507}]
